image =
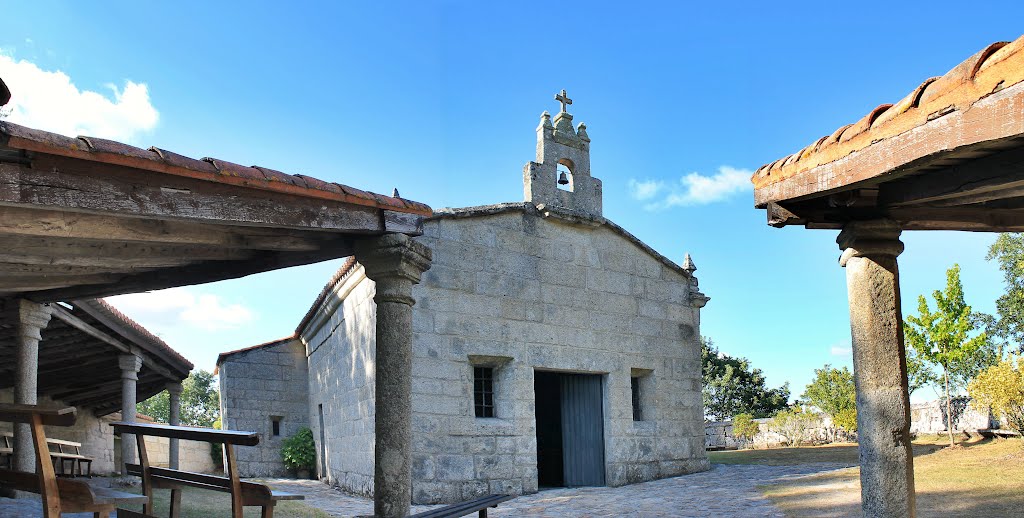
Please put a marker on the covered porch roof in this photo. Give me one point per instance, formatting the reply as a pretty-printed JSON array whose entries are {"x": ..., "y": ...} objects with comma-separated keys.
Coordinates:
[
  {"x": 86, "y": 217},
  {"x": 948, "y": 156},
  {"x": 78, "y": 356}
]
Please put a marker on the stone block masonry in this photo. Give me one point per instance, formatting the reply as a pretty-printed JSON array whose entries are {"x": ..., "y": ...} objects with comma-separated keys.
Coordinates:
[{"x": 261, "y": 386}]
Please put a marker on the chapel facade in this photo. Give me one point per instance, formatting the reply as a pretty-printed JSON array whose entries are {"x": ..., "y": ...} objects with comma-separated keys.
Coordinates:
[{"x": 551, "y": 348}]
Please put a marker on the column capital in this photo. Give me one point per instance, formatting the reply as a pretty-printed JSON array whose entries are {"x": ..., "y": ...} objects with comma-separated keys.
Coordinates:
[
  {"x": 130, "y": 365},
  {"x": 174, "y": 389},
  {"x": 33, "y": 318},
  {"x": 872, "y": 238},
  {"x": 391, "y": 259}
]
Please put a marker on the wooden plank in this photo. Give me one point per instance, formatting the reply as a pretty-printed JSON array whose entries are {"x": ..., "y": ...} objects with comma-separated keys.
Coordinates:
[
  {"x": 92, "y": 252},
  {"x": 59, "y": 183},
  {"x": 189, "y": 433},
  {"x": 147, "y": 480},
  {"x": 403, "y": 222},
  {"x": 196, "y": 273},
  {"x": 236, "y": 483},
  {"x": 37, "y": 222},
  {"x": 48, "y": 491},
  {"x": 50, "y": 416},
  {"x": 993, "y": 177}
]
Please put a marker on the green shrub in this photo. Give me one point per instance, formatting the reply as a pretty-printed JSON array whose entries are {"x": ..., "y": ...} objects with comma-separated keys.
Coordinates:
[
  {"x": 217, "y": 449},
  {"x": 299, "y": 451},
  {"x": 744, "y": 426}
]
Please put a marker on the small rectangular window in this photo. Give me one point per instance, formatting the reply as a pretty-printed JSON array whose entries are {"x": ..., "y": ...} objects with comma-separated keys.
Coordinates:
[
  {"x": 275, "y": 425},
  {"x": 634, "y": 383},
  {"x": 483, "y": 391}
]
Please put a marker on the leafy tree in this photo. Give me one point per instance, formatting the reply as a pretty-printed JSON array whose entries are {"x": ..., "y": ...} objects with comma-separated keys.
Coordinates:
[
  {"x": 200, "y": 401},
  {"x": 732, "y": 387},
  {"x": 794, "y": 424},
  {"x": 1008, "y": 251},
  {"x": 943, "y": 338},
  {"x": 832, "y": 391},
  {"x": 744, "y": 426},
  {"x": 1001, "y": 388}
]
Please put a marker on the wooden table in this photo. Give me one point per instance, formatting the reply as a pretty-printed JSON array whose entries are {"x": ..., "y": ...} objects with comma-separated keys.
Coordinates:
[
  {"x": 57, "y": 495},
  {"x": 242, "y": 493}
]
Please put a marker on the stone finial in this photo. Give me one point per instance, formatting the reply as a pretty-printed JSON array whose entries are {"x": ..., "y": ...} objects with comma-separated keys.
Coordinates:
[
  {"x": 394, "y": 193},
  {"x": 688, "y": 264},
  {"x": 581, "y": 132},
  {"x": 545, "y": 120}
]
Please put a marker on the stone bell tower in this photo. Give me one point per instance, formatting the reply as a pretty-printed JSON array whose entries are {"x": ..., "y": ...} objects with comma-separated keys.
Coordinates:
[{"x": 561, "y": 144}]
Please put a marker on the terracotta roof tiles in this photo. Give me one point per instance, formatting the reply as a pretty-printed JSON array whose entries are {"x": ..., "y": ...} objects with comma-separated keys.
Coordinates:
[
  {"x": 208, "y": 169},
  {"x": 998, "y": 66}
]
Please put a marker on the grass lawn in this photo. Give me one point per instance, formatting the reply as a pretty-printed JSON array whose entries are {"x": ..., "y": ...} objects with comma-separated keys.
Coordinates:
[
  {"x": 977, "y": 478},
  {"x": 201, "y": 503}
]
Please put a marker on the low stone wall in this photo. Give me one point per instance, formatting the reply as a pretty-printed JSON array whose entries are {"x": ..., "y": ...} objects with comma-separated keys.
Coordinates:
[
  {"x": 718, "y": 435},
  {"x": 192, "y": 456},
  {"x": 930, "y": 417}
]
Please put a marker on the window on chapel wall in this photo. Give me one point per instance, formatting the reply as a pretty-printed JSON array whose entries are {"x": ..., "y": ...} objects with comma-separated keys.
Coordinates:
[
  {"x": 642, "y": 393},
  {"x": 483, "y": 391},
  {"x": 634, "y": 385},
  {"x": 275, "y": 425}
]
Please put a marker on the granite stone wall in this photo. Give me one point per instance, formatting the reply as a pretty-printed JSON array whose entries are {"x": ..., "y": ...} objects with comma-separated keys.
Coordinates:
[
  {"x": 340, "y": 343},
  {"x": 522, "y": 292},
  {"x": 257, "y": 386}
]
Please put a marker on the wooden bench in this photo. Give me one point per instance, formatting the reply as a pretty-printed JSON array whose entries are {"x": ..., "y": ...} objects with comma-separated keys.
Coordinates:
[
  {"x": 68, "y": 452},
  {"x": 6, "y": 451},
  {"x": 242, "y": 493},
  {"x": 62, "y": 453},
  {"x": 478, "y": 505},
  {"x": 58, "y": 496}
]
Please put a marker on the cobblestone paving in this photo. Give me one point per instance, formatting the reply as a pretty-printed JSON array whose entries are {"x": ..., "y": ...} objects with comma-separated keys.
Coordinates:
[{"x": 725, "y": 490}]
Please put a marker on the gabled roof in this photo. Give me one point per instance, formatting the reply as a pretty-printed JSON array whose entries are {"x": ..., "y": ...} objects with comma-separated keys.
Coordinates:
[{"x": 223, "y": 357}]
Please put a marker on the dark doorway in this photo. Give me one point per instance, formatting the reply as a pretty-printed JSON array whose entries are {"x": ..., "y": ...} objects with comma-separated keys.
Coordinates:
[
  {"x": 323, "y": 444},
  {"x": 570, "y": 429}
]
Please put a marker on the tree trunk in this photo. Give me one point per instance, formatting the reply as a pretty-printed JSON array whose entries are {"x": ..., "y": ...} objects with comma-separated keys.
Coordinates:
[{"x": 949, "y": 408}]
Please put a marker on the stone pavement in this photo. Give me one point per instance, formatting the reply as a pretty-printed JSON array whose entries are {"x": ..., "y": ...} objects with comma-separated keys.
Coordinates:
[{"x": 725, "y": 490}]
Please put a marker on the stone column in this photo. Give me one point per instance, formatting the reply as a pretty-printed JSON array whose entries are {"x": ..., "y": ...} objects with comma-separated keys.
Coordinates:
[
  {"x": 174, "y": 390},
  {"x": 130, "y": 366},
  {"x": 394, "y": 262},
  {"x": 32, "y": 318},
  {"x": 880, "y": 367}
]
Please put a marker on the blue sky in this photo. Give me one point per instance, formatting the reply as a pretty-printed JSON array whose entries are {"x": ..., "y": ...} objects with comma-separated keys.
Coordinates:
[{"x": 440, "y": 99}]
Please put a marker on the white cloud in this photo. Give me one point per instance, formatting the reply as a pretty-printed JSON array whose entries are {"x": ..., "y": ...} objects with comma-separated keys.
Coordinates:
[
  {"x": 48, "y": 100},
  {"x": 693, "y": 189},
  {"x": 181, "y": 307},
  {"x": 644, "y": 190}
]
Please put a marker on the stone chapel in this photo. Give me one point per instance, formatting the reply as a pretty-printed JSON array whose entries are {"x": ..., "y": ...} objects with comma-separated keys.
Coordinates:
[{"x": 551, "y": 348}]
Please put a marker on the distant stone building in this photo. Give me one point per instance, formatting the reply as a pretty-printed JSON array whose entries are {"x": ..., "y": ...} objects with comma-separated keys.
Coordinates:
[{"x": 551, "y": 348}]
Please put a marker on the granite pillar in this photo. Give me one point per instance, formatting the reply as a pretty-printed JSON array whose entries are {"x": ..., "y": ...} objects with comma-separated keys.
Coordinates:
[
  {"x": 130, "y": 365},
  {"x": 869, "y": 255},
  {"x": 174, "y": 391},
  {"x": 394, "y": 262},
  {"x": 32, "y": 318}
]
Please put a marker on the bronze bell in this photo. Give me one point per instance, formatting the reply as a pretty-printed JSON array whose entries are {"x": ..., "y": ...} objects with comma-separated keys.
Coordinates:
[{"x": 562, "y": 179}]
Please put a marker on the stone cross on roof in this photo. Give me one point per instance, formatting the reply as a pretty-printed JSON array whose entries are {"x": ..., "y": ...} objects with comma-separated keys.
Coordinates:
[{"x": 564, "y": 99}]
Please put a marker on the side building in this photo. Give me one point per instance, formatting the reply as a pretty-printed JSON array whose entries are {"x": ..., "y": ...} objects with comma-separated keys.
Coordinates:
[{"x": 551, "y": 348}]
